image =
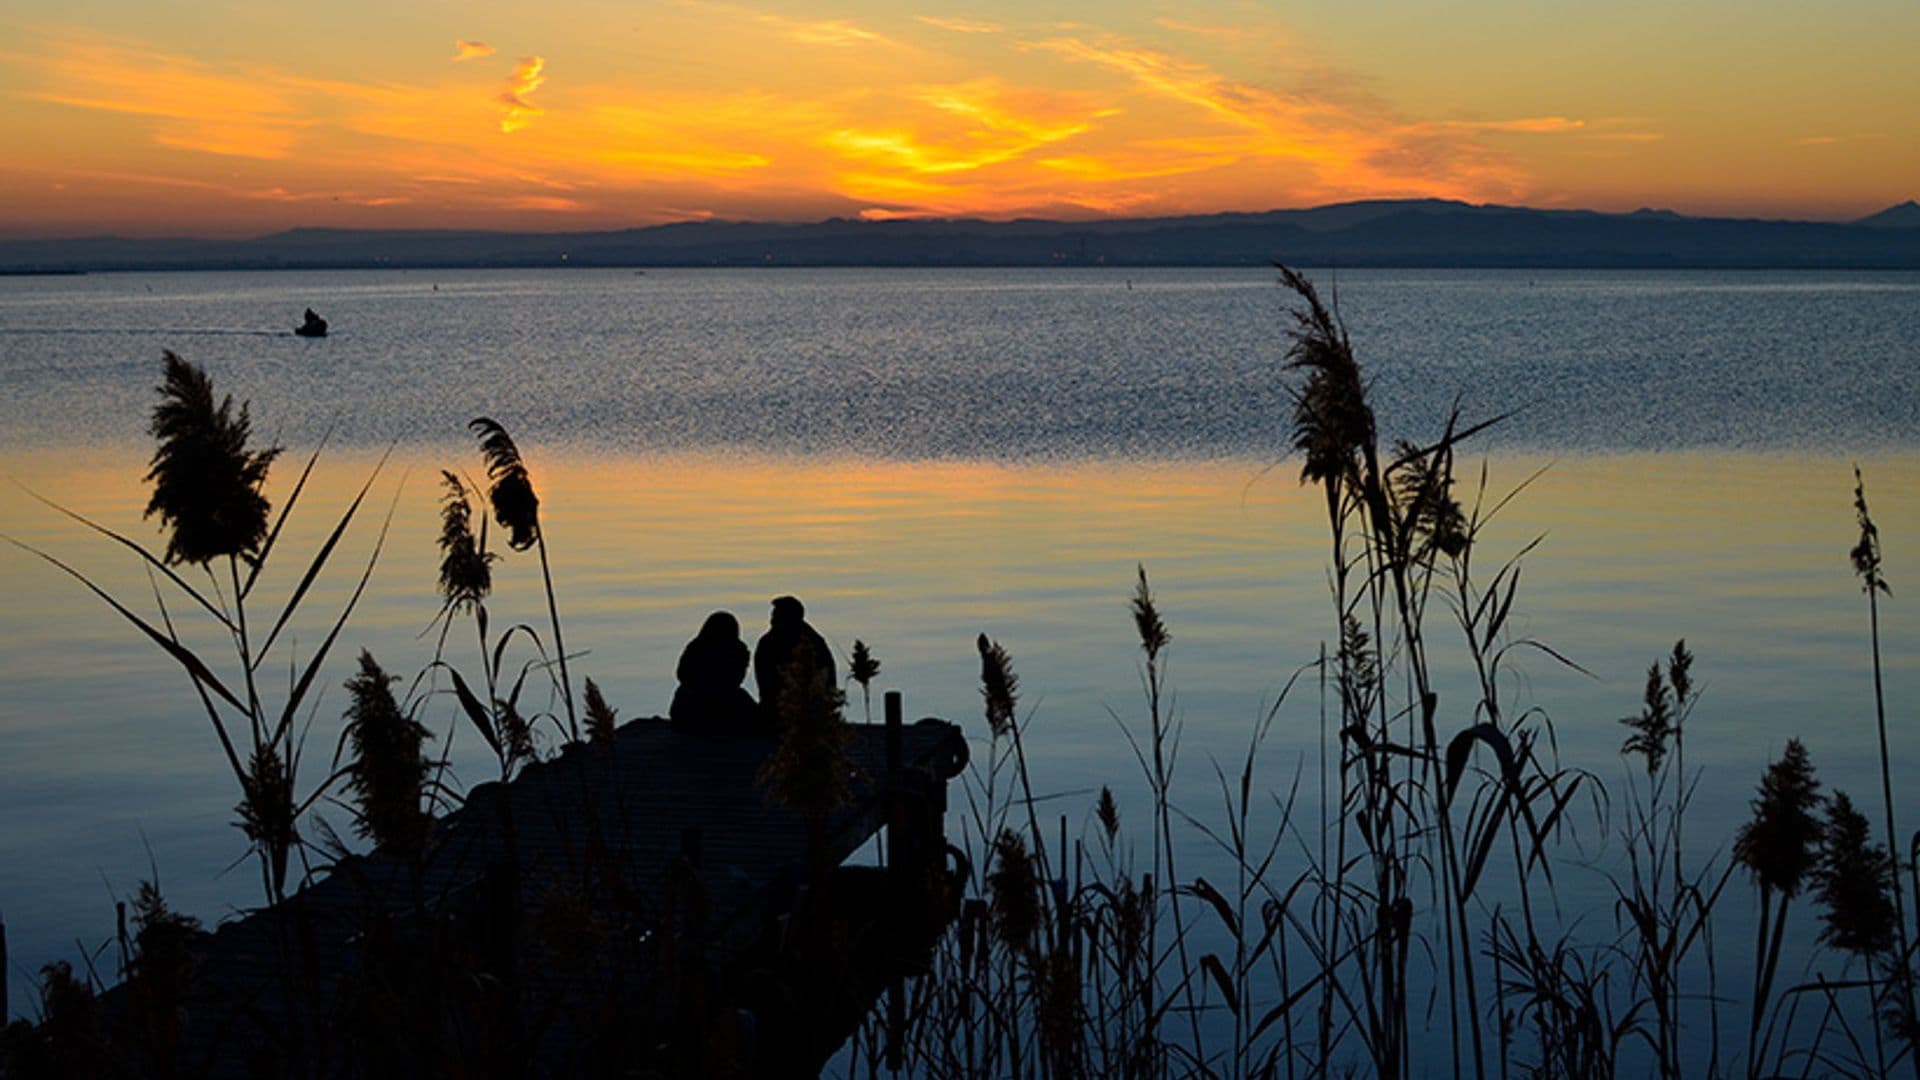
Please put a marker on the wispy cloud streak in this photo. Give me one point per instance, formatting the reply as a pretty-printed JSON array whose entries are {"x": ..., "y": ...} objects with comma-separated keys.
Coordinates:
[{"x": 528, "y": 75}]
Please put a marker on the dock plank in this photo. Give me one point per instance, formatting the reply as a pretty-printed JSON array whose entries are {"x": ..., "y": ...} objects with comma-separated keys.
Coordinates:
[{"x": 604, "y": 830}]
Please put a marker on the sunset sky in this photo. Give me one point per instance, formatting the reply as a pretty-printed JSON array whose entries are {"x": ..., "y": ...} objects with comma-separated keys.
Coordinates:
[{"x": 226, "y": 117}]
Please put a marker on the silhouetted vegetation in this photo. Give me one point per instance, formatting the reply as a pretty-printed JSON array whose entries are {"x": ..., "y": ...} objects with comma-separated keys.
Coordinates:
[{"x": 1407, "y": 920}]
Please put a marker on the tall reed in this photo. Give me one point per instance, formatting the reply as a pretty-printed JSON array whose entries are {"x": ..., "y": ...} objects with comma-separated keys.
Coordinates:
[
  {"x": 517, "y": 508},
  {"x": 1867, "y": 565},
  {"x": 208, "y": 492}
]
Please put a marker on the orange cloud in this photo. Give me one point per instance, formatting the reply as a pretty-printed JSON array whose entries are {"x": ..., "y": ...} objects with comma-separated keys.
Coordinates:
[
  {"x": 194, "y": 107},
  {"x": 470, "y": 50},
  {"x": 1537, "y": 125},
  {"x": 528, "y": 76},
  {"x": 1079, "y": 122},
  {"x": 836, "y": 32},
  {"x": 1327, "y": 144},
  {"x": 960, "y": 26}
]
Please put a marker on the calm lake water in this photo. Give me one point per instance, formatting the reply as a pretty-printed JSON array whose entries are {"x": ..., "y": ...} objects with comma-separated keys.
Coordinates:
[{"x": 925, "y": 455}]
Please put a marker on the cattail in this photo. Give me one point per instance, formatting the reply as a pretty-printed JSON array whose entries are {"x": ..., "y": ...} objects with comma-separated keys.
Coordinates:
[
  {"x": 1014, "y": 888},
  {"x": 1780, "y": 844},
  {"x": 388, "y": 774},
  {"x": 998, "y": 685},
  {"x": 206, "y": 483},
  {"x": 466, "y": 572},
  {"x": 515, "y": 506},
  {"x": 1146, "y": 618},
  {"x": 1653, "y": 728},
  {"x": 600, "y": 717},
  {"x": 1854, "y": 880}
]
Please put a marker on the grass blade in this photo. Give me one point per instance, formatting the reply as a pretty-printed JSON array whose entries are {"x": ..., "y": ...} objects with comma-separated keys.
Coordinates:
[
  {"x": 320, "y": 559},
  {"x": 180, "y": 653},
  {"x": 152, "y": 560}
]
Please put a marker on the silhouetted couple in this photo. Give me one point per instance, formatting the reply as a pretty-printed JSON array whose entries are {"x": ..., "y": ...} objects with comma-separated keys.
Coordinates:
[{"x": 713, "y": 669}]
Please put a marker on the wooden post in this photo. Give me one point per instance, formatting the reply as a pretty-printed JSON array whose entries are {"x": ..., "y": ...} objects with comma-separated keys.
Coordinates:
[
  {"x": 892, "y": 806},
  {"x": 896, "y": 726},
  {"x": 897, "y": 849}
]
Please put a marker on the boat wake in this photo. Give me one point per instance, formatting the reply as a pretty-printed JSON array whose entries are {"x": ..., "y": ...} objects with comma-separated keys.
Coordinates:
[{"x": 105, "y": 331}]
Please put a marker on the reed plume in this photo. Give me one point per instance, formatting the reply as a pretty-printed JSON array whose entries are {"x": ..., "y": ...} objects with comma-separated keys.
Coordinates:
[
  {"x": 206, "y": 482},
  {"x": 863, "y": 669},
  {"x": 1779, "y": 848},
  {"x": 1424, "y": 487},
  {"x": 160, "y": 969},
  {"x": 601, "y": 717},
  {"x": 999, "y": 686},
  {"x": 516, "y": 735},
  {"x": 1865, "y": 556},
  {"x": 71, "y": 1042},
  {"x": 1854, "y": 882},
  {"x": 515, "y": 506},
  {"x": 1332, "y": 422},
  {"x": 1107, "y": 812},
  {"x": 466, "y": 567},
  {"x": 517, "y": 509},
  {"x": 1654, "y": 727},
  {"x": 387, "y": 775},
  {"x": 1780, "y": 845},
  {"x": 1013, "y": 888},
  {"x": 1147, "y": 622},
  {"x": 810, "y": 772},
  {"x": 267, "y": 813}
]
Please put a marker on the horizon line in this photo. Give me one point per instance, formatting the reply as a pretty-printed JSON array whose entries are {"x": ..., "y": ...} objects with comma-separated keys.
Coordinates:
[{"x": 883, "y": 217}]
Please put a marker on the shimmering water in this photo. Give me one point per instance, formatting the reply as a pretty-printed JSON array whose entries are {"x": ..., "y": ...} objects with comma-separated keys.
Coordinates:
[
  {"x": 924, "y": 455},
  {"x": 996, "y": 365}
]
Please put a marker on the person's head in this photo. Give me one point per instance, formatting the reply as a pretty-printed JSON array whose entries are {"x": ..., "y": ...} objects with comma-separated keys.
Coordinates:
[
  {"x": 787, "y": 609},
  {"x": 721, "y": 625}
]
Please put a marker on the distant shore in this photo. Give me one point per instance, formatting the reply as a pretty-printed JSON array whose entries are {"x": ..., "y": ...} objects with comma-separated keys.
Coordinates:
[{"x": 1409, "y": 234}]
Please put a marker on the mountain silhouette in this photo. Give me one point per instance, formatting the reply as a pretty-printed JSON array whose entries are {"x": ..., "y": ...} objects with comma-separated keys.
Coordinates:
[
  {"x": 1904, "y": 216},
  {"x": 1403, "y": 233}
]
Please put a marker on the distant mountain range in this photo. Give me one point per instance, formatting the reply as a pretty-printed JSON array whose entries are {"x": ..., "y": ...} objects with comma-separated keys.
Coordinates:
[{"x": 1399, "y": 233}]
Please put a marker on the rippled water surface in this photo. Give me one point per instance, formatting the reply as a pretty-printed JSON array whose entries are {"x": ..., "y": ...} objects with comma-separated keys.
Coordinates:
[
  {"x": 924, "y": 455},
  {"x": 992, "y": 363}
]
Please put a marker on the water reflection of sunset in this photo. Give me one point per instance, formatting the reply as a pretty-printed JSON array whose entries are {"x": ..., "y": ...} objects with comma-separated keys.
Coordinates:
[
  {"x": 918, "y": 556},
  {"x": 1744, "y": 555}
]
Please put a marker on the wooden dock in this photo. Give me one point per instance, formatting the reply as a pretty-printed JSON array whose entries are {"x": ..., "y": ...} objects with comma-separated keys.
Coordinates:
[{"x": 638, "y": 909}]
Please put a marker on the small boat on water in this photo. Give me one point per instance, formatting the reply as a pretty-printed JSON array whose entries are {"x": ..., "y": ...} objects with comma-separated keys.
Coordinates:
[{"x": 314, "y": 326}]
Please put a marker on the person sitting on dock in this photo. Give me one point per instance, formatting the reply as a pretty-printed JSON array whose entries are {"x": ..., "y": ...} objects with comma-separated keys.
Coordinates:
[
  {"x": 712, "y": 669},
  {"x": 787, "y": 636}
]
